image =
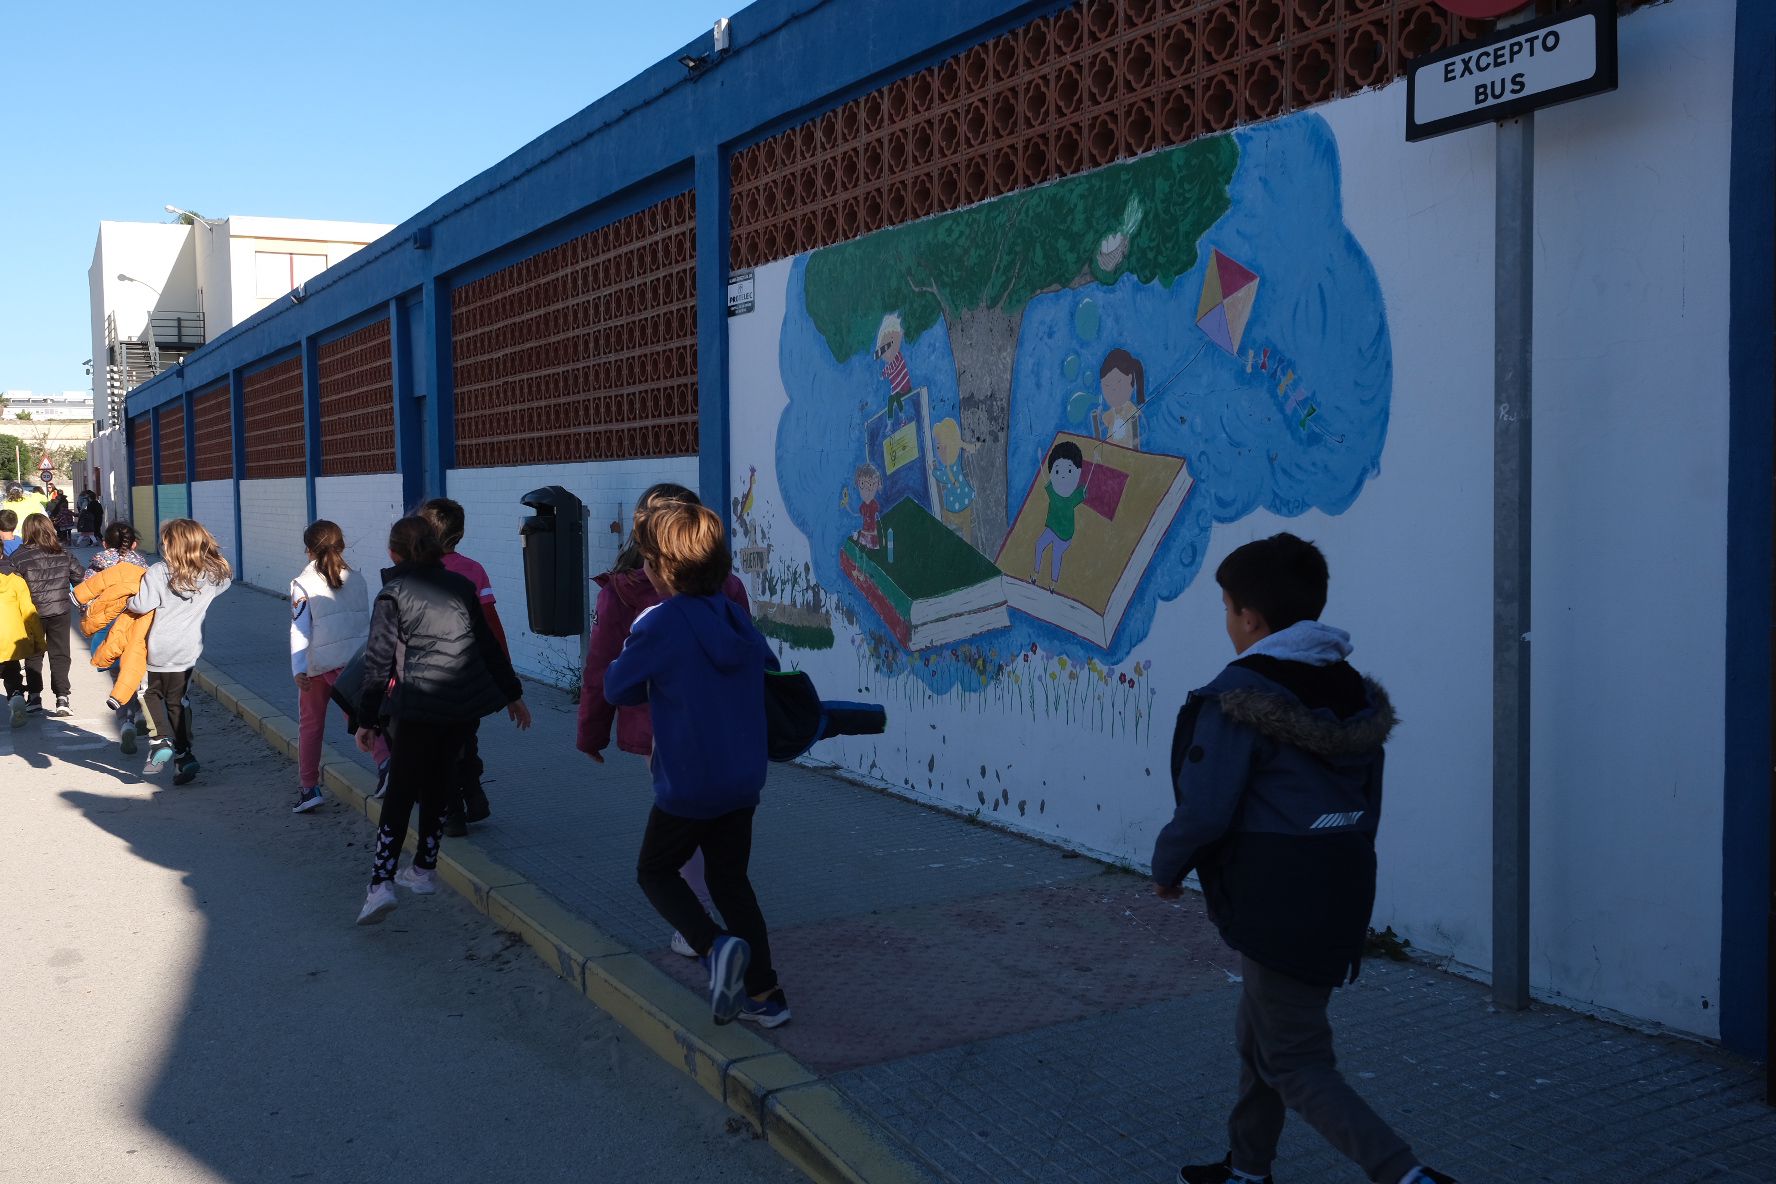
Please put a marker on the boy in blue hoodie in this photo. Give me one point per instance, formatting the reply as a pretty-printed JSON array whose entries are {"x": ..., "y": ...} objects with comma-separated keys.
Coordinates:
[
  {"x": 1276, "y": 773},
  {"x": 699, "y": 663}
]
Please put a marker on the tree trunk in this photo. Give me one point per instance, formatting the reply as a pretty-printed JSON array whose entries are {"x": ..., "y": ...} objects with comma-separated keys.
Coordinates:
[{"x": 984, "y": 343}]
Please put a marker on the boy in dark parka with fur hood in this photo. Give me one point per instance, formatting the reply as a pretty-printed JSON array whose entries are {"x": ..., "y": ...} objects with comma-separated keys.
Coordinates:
[{"x": 1276, "y": 770}]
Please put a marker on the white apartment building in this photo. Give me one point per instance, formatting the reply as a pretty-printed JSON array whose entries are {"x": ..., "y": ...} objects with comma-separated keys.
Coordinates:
[{"x": 160, "y": 290}]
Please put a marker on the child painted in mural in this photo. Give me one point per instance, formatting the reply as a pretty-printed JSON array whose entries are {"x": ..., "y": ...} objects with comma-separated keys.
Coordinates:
[
  {"x": 50, "y": 572},
  {"x": 1124, "y": 383},
  {"x": 624, "y": 593},
  {"x": 468, "y": 802},
  {"x": 178, "y": 591},
  {"x": 329, "y": 622},
  {"x": 869, "y": 488},
  {"x": 1276, "y": 773},
  {"x": 890, "y": 339},
  {"x": 429, "y": 632},
  {"x": 700, "y": 664},
  {"x": 1065, "y": 494},
  {"x": 955, "y": 491}
]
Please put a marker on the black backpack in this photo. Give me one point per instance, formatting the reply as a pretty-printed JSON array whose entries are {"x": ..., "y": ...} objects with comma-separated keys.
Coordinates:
[{"x": 796, "y": 718}]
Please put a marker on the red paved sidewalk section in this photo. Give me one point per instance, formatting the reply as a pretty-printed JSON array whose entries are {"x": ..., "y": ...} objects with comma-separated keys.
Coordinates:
[{"x": 1012, "y": 1012}]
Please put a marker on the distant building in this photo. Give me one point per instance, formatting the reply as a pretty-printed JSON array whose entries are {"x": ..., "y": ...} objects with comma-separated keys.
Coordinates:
[
  {"x": 160, "y": 290},
  {"x": 47, "y": 422}
]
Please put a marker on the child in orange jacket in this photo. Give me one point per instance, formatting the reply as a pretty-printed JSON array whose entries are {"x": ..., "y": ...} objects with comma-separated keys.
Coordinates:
[{"x": 106, "y": 597}]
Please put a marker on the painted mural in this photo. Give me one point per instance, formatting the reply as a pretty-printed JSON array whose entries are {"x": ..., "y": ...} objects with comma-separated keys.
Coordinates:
[
  {"x": 976, "y": 456},
  {"x": 1051, "y": 399}
]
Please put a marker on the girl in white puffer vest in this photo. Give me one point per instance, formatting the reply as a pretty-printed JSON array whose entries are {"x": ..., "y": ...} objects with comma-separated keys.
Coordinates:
[{"x": 329, "y": 621}]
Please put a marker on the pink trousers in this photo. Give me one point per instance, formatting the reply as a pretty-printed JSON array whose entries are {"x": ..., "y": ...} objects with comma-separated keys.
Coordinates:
[{"x": 311, "y": 725}]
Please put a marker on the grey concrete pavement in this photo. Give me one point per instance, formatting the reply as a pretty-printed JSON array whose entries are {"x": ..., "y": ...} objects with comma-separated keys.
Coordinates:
[
  {"x": 1013, "y": 1013},
  {"x": 184, "y": 997}
]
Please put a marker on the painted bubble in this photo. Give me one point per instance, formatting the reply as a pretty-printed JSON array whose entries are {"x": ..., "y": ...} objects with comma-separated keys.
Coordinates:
[
  {"x": 1085, "y": 320},
  {"x": 1079, "y": 406},
  {"x": 1070, "y": 367}
]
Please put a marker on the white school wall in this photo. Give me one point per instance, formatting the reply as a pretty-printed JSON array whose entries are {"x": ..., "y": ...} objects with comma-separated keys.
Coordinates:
[
  {"x": 490, "y": 503},
  {"x": 1631, "y": 433},
  {"x": 212, "y": 503},
  {"x": 364, "y": 506},
  {"x": 274, "y": 513}
]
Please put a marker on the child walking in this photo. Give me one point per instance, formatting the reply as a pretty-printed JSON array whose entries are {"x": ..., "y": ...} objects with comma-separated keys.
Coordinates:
[
  {"x": 468, "y": 800},
  {"x": 21, "y": 637},
  {"x": 121, "y": 546},
  {"x": 51, "y": 573},
  {"x": 428, "y": 631},
  {"x": 329, "y": 620},
  {"x": 178, "y": 591},
  {"x": 1276, "y": 769},
  {"x": 699, "y": 663},
  {"x": 624, "y": 593}
]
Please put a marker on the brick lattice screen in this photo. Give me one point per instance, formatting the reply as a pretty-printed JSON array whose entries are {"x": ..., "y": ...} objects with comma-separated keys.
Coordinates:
[
  {"x": 213, "y": 431},
  {"x": 141, "y": 452},
  {"x": 1094, "y": 83},
  {"x": 273, "y": 414},
  {"x": 586, "y": 351},
  {"x": 172, "y": 444},
  {"x": 357, "y": 400}
]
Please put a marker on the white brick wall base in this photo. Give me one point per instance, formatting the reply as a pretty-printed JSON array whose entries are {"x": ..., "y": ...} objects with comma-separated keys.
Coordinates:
[
  {"x": 364, "y": 507},
  {"x": 273, "y": 516}
]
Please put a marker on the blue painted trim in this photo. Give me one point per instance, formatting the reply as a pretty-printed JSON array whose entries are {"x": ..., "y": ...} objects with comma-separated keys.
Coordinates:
[
  {"x": 311, "y": 420},
  {"x": 712, "y": 331},
  {"x": 788, "y": 58},
  {"x": 237, "y": 445},
  {"x": 439, "y": 413},
  {"x": 1746, "y": 922},
  {"x": 409, "y": 428}
]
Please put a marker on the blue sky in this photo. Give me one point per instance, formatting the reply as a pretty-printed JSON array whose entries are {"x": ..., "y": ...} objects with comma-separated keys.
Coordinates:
[{"x": 363, "y": 111}]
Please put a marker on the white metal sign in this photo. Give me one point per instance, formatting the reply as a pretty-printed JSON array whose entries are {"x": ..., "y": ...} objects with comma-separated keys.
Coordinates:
[{"x": 1515, "y": 70}]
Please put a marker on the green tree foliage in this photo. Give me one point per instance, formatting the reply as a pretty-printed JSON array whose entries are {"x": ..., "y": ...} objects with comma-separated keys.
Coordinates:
[
  {"x": 12, "y": 455},
  {"x": 1001, "y": 254}
]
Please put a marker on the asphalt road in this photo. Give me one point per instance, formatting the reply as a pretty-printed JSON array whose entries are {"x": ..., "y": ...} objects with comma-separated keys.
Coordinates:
[{"x": 184, "y": 997}]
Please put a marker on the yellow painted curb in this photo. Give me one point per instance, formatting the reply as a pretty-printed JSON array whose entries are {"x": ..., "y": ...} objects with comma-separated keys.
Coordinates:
[{"x": 805, "y": 1120}]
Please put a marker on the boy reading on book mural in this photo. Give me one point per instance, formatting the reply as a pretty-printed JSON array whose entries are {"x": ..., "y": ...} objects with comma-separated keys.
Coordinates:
[
  {"x": 1065, "y": 493},
  {"x": 1276, "y": 772}
]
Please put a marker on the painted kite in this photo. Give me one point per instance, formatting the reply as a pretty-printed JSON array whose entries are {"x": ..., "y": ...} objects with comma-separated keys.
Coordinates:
[{"x": 1229, "y": 289}]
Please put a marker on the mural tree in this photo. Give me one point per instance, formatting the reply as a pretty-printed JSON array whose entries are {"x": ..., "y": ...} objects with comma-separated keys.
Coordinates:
[{"x": 977, "y": 270}]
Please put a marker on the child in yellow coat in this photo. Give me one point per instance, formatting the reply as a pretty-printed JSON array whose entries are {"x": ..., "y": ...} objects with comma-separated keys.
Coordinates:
[{"x": 21, "y": 637}]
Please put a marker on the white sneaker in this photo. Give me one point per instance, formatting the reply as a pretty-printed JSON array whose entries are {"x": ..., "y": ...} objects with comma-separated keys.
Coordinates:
[
  {"x": 379, "y": 902},
  {"x": 16, "y": 709},
  {"x": 418, "y": 880},
  {"x": 682, "y": 947}
]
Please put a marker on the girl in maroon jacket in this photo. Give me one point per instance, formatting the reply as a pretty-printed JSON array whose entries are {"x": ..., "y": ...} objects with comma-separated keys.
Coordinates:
[{"x": 623, "y": 592}]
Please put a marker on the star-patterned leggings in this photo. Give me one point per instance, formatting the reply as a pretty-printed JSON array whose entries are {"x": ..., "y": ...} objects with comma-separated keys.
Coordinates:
[{"x": 422, "y": 769}]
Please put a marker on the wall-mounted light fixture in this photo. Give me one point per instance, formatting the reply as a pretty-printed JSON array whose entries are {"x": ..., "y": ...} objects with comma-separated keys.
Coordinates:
[{"x": 696, "y": 63}]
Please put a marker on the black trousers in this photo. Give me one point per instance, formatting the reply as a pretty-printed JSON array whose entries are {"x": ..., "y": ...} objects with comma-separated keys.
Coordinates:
[
  {"x": 727, "y": 849},
  {"x": 466, "y": 791},
  {"x": 18, "y": 680},
  {"x": 55, "y": 629},
  {"x": 168, "y": 708},
  {"x": 422, "y": 763},
  {"x": 1287, "y": 1063}
]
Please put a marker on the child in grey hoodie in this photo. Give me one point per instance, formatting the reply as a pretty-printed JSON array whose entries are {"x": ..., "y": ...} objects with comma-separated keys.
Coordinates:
[{"x": 178, "y": 591}]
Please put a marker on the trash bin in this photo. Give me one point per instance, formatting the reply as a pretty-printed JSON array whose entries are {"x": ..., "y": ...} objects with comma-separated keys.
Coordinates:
[{"x": 555, "y": 562}]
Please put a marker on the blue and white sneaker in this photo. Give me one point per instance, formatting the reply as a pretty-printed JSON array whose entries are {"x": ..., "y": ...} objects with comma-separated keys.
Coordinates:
[
  {"x": 769, "y": 1012},
  {"x": 727, "y": 960},
  {"x": 159, "y": 753}
]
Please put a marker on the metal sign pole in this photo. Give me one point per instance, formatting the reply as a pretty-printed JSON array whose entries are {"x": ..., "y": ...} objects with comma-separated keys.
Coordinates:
[{"x": 1513, "y": 343}]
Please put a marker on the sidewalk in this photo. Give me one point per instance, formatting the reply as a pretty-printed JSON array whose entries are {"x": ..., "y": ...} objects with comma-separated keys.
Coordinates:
[{"x": 1004, "y": 1011}]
